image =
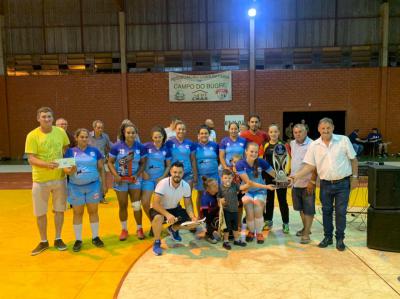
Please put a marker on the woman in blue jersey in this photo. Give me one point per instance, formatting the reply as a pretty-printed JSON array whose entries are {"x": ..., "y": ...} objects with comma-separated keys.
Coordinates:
[
  {"x": 84, "y": 187},
  {"x": 157, "y": 165},
  {"x": 250, "y": 171},
  {"x": 206, "y": 160},
  {"x": 127, "y": 159},
  {"x": 183, "y": 150},
  {"x": 230, "y": 146}
]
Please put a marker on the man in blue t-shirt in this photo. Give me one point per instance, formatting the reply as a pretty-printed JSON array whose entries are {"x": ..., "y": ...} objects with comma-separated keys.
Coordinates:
[{"x": 356, "y": 142}]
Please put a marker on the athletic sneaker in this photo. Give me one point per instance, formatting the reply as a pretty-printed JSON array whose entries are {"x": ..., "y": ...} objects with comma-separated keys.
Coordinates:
[
  {"x": 42, "y": 246},
  {"x": 260, "y": 238},
  {"x": 285, "y": 228},
  {"x": 77, "y": 246},
  {"x": 250, "y": 237},
  {"x": 174, "y": 234},
  {"x": 240, "y": 243},
  {"x": 60, "y": 245},
  {"x": 97, "y": 242},
  {"x": 124, "y": 235},
  {"x": 140, "y": 234},
  {"x": 157, "y": 247},
  {"x": 227, "y": 246},
  {"x": 268, "y": 224}
]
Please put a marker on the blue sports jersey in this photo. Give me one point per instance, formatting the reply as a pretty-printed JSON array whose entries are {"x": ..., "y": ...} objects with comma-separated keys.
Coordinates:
[
  {"x": 155, "y": 165},
  {"x": 243, "y": 167},
  {"x": 207, "y": 158},
  {"x": 86, "y": 164},
  {"x": 127, "y": 158},
  {"x": 232, "y": 148},
  {"x": 181, "y": 152}
]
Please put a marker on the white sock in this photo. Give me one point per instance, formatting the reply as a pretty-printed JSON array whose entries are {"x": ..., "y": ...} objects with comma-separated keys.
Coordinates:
[
  {"x": 139, "y": 226},
  {"x": 78, "y": 231},
  {"x": 259, "y": 223},
  {"x": 42, "y": 241},
  {"x": 95, "y": 229},
  {"x": 124, "y": 225},
  {"x": 250, "y": 225}
]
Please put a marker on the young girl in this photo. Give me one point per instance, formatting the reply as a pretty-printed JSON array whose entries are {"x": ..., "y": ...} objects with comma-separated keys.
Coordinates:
[
  {"x": 250, "y": 171},
  {"x": 228, "y": 198},
  {"x": 273, "y": 133},
  {"x": 209, "y": 206}
]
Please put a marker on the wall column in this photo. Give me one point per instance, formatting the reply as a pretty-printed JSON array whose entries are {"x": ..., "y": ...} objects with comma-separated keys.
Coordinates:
[{"x": 124, "y": 76}]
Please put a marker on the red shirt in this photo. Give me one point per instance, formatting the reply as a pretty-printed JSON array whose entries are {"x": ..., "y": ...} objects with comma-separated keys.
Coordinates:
[{"x": 260, "y": 137}]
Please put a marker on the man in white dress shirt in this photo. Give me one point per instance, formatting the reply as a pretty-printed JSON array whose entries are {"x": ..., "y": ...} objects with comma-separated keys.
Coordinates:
[{"x": 335, "y": 160}]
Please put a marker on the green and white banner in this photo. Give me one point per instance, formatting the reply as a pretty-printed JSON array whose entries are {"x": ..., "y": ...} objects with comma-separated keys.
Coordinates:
[{"x": 200, "y": 88}]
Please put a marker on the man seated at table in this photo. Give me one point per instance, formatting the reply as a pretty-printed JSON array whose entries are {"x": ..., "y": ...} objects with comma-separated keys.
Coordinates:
[
  {"x": 356, "y": 141},
  {"x": 376, "y": 138}
]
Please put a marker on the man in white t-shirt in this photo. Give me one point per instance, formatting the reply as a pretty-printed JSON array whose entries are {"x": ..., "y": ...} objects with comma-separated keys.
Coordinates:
[
  {"x": 334, "y": 158},
  {"x": 170, "y": 131},
  {"x": 166, "y": 206},
  {"x": 210, "y": 124}
]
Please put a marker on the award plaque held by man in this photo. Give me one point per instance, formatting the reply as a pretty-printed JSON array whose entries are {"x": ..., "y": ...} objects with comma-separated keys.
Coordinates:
[{"x": 279, "y": 161}]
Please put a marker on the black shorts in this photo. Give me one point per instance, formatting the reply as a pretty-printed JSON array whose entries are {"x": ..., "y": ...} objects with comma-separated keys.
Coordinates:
[
  {"x": 231, "y": 220},
  {"x": 178, "y": 212}
]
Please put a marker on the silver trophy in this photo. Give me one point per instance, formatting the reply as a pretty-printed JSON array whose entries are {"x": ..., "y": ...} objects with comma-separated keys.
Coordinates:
[{"x": 279, "y": 160}]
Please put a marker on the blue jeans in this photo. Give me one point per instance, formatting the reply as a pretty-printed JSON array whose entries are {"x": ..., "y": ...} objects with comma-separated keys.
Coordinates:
[
  {"x": 338, "y": 193},
  {"x": 358, "y": 148}
]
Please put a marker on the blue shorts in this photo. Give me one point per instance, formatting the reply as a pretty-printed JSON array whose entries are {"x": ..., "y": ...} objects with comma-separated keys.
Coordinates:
[
  {"x": 199, "y": 185},
  {"x": 149, "y": 185},
  {"x": 78, "y": 195},
  {"x": 302, "y": 201},
  {"x": 124, "y": 186}
]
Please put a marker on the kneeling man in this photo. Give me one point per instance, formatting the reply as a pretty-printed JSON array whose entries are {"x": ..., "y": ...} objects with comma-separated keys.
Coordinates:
[{"x": 166, "y": 206}]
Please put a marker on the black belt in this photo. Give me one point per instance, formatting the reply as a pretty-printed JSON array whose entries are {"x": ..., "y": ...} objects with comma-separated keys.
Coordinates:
[{"x": 336, "y": 181}]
